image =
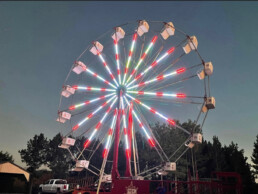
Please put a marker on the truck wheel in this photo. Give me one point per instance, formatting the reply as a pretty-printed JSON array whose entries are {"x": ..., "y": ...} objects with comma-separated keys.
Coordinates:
[{"x": 58, "y": 191}]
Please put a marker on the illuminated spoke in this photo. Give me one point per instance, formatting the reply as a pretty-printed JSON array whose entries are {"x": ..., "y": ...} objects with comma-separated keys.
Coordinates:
[
  {"x": 127, "y": 149},
  {"x": 129, "y": 57},
  {"x": 171, "y": 50},
  {"x": 150, "y": 140},
  {"x": 73, "y": 107},
  {"x": 117, "y": 61},
  {"x": 159, "y": 78},
  {"x": 100, "y": 123},
  {"x": 142, "y": 58},
  {"x": 92, "y": 114},
  {"x": 170, "y": 121},
  {"x": 158, "y": 94},
  {"x": 99, "y": 77},
  {"x": 110, "y": 134},
  {"x": 89, "y": 88},
  {"x": 107, "y": 68}
]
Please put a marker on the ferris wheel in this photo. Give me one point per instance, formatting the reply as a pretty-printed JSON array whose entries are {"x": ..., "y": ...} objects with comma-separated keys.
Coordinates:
[{"x": 130, "y": 77}]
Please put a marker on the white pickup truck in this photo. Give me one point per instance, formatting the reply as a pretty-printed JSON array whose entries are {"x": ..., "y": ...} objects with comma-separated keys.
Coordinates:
[{"x": 54, "y": 186}]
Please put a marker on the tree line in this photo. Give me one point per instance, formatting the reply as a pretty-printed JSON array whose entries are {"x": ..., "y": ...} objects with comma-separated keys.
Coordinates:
[{"x": 208, "y": 156}]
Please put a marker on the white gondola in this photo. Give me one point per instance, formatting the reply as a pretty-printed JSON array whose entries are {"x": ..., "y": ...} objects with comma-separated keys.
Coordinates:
[
  {"x": 192, "y": 44},
  {"x": 63, "y": 116},
  {"x": 162, "y": 172},
  {"x": 80, "y": 165},
  {"x": 138, "y": 178},
  {"x": 79, "y": 67},
  {"x": 168, "y": 30},
  {"x": 67, "y": 142},
  {"x": 143, "y": 27},
  {"x": 196, "y": 138},
  {"x": 190, "y": 145},
  {"x": 170, "y": 166},
  {"x": 67, "y": 91},
  {"x": 209, "y": 104},
  {"x": 208, "y": 68},
  {"x": 96, "y": 48},
  {"x": 106, "y": 178},
  {"x": 119, "y": 34}
]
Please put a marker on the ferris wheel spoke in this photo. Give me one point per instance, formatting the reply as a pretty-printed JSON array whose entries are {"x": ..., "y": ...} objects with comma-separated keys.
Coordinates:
[
  {"x": 107, "y": 68},
  {"x": 92, "y": 114},
  {"x": 117, "y": 61},
  {"x": 159, "y": 78},
  {"x": 109, "y": 135},
  {"x": 75, "y": 106},
  {"x": 142, "y": 58},
  {"x": 99, "y": 77},
  {"x": 95, "y": 89},
  {"x": 99, "y": 124},
  {"x": 129, "y": 57},
  {"x": 127, "y": 149},
  {"x": 150, "y": 140},
  {"x": 158, "y": 94},
  {"x": 154, "y": 111}
]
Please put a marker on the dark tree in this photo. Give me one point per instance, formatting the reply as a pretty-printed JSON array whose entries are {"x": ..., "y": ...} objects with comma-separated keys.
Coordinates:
[
  {"x": 58, "y": 160},
  {"x": 35, "y": 153},
  {"x": 6, "y": 157},
  {"x": 254, "y": 157}
]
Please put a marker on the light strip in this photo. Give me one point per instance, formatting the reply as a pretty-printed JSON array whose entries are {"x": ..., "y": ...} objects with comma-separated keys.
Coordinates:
[{"x": 159, "y": 94}]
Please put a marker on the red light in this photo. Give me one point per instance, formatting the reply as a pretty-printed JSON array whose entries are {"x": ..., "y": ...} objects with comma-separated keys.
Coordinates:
[
  {"x": 95, "y": 75},
  {"x": 180, "y": 95},
  {"x": 102, "y": 89},
  {"x": 135, "y": 36},
  {"x": 98, "y": 125},
  {"x": 130, "y": 53},
  {"x": 126, "y": 70},
  {"x": 107, "y": 82},
  {"x": 115, "y": 42},
  {"x": 154, "y": 64},
  {"x": 159, "y": 93},
  {"x": 171, "y": 122},
  {"x": 108, "y": 109},
  {"x": 153, "y": 110},
  {"x": 112, "y": 76},
  {"x": 138, "y": 76},
  {"x": 104, "y": 104},
  {"x": 137, "y": 101},
  {"x": 151, "y": 142},
  {"x": 141, "y": 84},
  {"x": 88, "y": 88},
  {"x": 110, "y": 131},
  {"x": 64, "y": 186},
  {"x": 118, "y": 72},
  {"x": 75, "y": 127},
  {"x": 143, "y": 56},
  {"x": 90, "y": 115},
  {"x": 154, "y": 39},
  {"x": 117, "y": 57},
  {"x": 141, "y": 125},
  {"x": 160, "y": 77},
  {"x": 140, "y": 92},
  {"x": 75, "y": 87},
  {"x": 134, "y": 70},
  {"x": 171, "y": 50},
  {"x": 87, "y": 142},
  {"x": 181, "y": 70},
  {"x": 72, "y": 107},
  {"x": 102, "y": 97},
  {"x": 105, "y": 153},
  {"x": 87, "y": 102},
  {"x": 105, "y": 64},
  {"x": 127, "y": 153}
]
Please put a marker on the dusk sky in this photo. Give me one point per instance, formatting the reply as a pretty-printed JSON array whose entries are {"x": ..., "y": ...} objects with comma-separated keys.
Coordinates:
[{"x": 39, "y": 42}]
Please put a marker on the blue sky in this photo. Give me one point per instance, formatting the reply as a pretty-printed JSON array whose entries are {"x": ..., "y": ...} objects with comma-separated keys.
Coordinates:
[{"x": 40, "y": 40}]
